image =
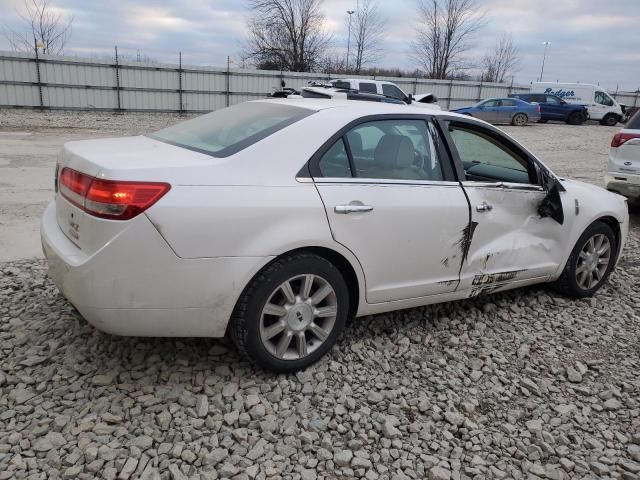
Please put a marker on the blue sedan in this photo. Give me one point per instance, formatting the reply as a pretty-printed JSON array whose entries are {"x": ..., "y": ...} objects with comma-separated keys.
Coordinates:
[{"x": 503, "y": 110}]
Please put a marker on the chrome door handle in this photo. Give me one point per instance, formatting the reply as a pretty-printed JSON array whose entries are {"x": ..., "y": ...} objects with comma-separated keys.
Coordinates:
[
  {"x": 352, "y": 208},
  {"x": 484, "y": 207}
]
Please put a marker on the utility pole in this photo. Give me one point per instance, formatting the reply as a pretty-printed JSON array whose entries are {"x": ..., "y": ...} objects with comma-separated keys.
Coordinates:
[
  {"x": 350, "y": 12},
  {"x": 544, "y": 56}
]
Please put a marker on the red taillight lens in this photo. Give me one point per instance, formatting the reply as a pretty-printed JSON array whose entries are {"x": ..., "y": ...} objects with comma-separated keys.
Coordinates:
[
  {"x": 538, "y": 108},
  {"x": 621, "y": 138},
  {"x": 112, "y": 199}
]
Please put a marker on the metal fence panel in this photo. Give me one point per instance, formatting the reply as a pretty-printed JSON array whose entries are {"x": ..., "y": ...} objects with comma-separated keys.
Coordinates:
[{"x": 86, "y": 83}]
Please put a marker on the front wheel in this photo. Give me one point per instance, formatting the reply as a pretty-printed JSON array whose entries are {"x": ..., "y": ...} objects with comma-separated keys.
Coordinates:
[
  {"x": 610, "y": 120},
  {"x": 519, "y": 120},
  {"x": 590, "y": 262},
  {"x": 576, "y": 118},
  {"x": 291, "y": 313}
]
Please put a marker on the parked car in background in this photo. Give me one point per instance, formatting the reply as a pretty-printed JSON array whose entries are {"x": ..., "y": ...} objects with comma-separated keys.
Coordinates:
[
  {"x": 600, "y": 104},
  {"x": 277, "y": 220},
  {"x": 388, "y": 89},
  {"x": 554, "y": 108},
  {"x": 623, "y": 172},
  {"x": 503, "y": 110}
]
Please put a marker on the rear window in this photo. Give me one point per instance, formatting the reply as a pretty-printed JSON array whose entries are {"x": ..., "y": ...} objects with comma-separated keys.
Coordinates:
[
  {"x": 229, "y": 130},
  {"x": 634, "y": 123}
]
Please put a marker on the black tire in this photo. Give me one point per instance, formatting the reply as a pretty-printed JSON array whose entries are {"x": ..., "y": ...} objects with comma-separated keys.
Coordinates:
[
  {"x": 245, "y": 321},
  {"x": 610, "y": 120},
  {"x": 575, "y": 118},
  {"x": 567, "y": 284},
  {"x": 543, "y": 120},
  {"x": 519, "y": 119}
]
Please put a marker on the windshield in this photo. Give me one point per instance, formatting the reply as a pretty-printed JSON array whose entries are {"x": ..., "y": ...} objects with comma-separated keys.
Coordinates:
[{"x": 229, "y": 130}]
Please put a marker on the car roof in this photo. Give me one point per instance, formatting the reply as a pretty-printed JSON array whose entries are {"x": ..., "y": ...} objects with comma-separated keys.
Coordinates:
[{"x": 361, "y": 107}]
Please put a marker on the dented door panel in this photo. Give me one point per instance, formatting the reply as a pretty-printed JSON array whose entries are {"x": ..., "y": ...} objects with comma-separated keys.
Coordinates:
[{"x": 510, "y": 242}]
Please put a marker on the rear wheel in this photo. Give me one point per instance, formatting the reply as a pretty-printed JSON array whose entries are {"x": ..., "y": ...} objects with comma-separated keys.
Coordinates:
[
  {"x": 519, "y": 120},
  {"x": 610, "y": 120},
  {"x": 590, "y": 262},
  {"x": 576, "y": 118},
  {"x": 291, "y": 313}
]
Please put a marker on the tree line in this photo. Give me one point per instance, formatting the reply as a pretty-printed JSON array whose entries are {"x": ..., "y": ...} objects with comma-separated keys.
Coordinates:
[{"x": 292, "y": 35}]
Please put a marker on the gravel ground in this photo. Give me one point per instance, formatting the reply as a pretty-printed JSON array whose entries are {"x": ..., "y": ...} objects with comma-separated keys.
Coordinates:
[{"x": 524, "y": 384}]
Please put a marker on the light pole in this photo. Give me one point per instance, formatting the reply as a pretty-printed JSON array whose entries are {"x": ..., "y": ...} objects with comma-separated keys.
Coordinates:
[
  {"x": 544, "y": 56},
  {"x": 350, "y": 12}
]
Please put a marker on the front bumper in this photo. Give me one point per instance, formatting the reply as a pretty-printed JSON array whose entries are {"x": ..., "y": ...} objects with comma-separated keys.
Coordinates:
[
  {"x": 623, "y": 183},
  {"x": 136, "y": 286}
]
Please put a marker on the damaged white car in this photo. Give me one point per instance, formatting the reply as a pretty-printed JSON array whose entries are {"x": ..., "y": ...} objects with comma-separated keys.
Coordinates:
[{"x": 277, "y": 220}]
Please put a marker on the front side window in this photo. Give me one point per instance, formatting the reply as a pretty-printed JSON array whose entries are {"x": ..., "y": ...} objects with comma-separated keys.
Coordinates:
[
  {"x": 603, "y": 99},
  {"x": 489, "y": 103},
  {"x": 393, "y": 91},
  {"x": 485, "y": 159},
  {"x": 368, "y": 87},
  {"x": 229, "y": 130},
  {"x": 553, "y": 100}
]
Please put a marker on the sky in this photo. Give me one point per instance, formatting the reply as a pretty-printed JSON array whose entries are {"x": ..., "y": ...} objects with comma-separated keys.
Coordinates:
[{"x": 592, "y": 41}]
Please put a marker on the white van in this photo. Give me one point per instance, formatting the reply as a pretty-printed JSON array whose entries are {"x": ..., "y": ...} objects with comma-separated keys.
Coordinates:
[{"x": 600, "y": 104}]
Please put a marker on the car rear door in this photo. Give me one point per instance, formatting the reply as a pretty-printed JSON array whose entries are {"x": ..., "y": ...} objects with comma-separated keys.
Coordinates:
[
  {"x": 508, "y": 242},
  {"x": 391, "y": 197},
  {"x": 508, "y": 108}
]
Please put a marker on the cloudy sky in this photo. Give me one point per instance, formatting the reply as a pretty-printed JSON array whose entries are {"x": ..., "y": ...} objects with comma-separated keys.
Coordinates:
[{"x": 592, "y": 41}]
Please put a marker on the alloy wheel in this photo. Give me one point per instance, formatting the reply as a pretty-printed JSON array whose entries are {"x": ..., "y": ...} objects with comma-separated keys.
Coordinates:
[
  {"x": 593, "y": 261},
  {"x": 298, "y": 317}
]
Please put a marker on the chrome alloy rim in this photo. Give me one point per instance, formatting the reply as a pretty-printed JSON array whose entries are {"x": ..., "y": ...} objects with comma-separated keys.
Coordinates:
[
  {"x": 593, "y": 261},
  {"x": 298, "y": 317},
  {"x": 519, "y": 120}
]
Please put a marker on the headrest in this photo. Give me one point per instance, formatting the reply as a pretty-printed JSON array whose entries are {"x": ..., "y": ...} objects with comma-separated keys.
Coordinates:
[{"x": 394, "y": 151}]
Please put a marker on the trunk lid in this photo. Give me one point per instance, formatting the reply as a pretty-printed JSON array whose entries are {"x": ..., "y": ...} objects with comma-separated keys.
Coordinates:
[
  {"x": 129, "y": 159},
  {"x": 626, "y": 157}
]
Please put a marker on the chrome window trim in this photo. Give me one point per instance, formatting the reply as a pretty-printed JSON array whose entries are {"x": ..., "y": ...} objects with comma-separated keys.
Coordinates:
[
  {"x": 524, "y": 187},
  {"x": 384, "y": 181}
]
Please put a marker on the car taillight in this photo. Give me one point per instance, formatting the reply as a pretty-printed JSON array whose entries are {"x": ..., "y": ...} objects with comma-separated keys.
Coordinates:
[
  {"x": 538, "y": 108},
  {"x": 621, "y": 138},
  {"x": 112, "y": 199}
]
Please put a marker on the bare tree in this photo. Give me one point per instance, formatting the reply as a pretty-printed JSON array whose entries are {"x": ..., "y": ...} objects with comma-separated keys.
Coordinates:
[
  {"x": 287, "y": 34},
  {"x": 444, "y": 31},
  {"x": 501, "y": 61},
  {"x": 367, "y": 33},
  {"x": 42, "y": 26}
]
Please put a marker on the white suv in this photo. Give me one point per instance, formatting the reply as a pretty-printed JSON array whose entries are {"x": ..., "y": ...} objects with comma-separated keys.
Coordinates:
[{"x": 623, "y": 173}]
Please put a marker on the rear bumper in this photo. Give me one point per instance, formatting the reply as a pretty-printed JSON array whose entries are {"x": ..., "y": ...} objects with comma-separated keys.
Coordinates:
[
  {"x": 136, "y": 286},
  {"x": 623, "y": 183}
]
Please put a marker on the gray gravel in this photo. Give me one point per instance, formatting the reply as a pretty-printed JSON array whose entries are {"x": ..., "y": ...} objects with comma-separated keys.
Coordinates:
[{"x": 524, "y": 384}]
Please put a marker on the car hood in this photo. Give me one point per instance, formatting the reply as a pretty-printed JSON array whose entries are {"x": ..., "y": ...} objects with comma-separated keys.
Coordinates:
[{"x": 459, "y": 109}]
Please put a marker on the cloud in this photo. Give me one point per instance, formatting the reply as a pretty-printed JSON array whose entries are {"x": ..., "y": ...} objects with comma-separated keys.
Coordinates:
[{"x": 591, "y": 41}]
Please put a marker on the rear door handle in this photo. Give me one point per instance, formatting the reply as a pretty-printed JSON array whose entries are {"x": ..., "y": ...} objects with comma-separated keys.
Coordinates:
[
  {"x": 352, "y": 208},
  {"x": 484, "y": 207}
]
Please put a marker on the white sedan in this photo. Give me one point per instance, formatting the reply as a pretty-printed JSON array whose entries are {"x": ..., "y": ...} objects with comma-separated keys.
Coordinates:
[
  {"x": 623, "y": 172},
  {"x": 277, "y": 220}
]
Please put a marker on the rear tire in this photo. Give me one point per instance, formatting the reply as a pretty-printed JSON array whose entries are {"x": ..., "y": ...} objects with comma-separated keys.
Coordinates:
[
  {"x": 286, "y": 328},
  {"x": 610, "y": 120},
  {"x": 576, "y": 118},
  {"x": 519, "y": 120},
  {"x": 579, "y": 279}
]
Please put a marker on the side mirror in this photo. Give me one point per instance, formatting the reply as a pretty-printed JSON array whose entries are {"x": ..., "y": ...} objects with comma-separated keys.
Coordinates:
[
  {"x": 551, "y": 205},
  {"x": 408, "y": 99}
]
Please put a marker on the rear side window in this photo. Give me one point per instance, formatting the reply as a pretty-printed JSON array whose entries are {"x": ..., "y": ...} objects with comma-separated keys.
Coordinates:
[
  {"x": 335, "y": 162},
  {"x": 634, "y": 123},
  {"x": 368, "y": 87},
  {"x": 229, "y": 130},
  {"x": 508, "y": 103}
]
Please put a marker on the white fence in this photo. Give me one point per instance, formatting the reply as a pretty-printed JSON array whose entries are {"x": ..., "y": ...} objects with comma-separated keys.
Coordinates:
[{"x": 88, "y": 84}]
